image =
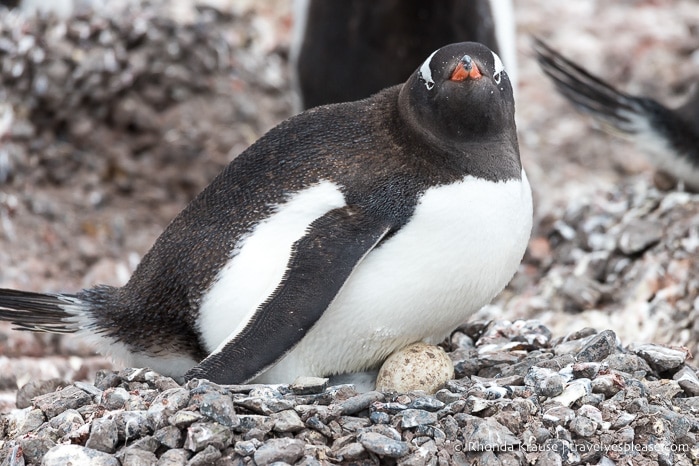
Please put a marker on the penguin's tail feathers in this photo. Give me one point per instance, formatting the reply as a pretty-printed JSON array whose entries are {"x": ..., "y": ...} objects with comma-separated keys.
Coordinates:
[
  {"x": 616, "y": 111},
  {"x": 38, "y": 312}
]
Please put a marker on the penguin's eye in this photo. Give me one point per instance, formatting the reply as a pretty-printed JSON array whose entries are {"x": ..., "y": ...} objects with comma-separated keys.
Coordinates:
[{"x": 497, "y": 77}]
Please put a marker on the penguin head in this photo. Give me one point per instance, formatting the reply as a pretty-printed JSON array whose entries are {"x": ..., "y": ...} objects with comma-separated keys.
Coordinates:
[{"x": 460, "y": 93}]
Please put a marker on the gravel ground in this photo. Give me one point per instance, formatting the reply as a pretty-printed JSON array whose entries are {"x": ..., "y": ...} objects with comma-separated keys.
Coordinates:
[
  {"x": 519, "y": 397},
  {"x": 98, "y": 156}
]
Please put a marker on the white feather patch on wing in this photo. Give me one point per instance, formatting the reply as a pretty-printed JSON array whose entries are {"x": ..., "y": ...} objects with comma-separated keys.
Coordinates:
[{"x": 258, "y": 263}]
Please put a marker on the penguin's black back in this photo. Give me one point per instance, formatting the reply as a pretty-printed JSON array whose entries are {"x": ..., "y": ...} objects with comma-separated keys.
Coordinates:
[{"x": 354, "y": 48}]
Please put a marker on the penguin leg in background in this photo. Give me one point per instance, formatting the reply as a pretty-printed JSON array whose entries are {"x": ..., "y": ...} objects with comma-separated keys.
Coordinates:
[{"x": 320, "y": 263}]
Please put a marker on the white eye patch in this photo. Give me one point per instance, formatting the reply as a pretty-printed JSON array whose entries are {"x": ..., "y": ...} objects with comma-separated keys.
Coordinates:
[
  {"x": 499, "y": 68},
  {"x": 426, "y": 72}
]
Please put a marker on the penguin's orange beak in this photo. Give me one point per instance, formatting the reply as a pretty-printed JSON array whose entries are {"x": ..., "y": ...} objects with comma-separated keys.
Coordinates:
[{"x": 465, "y": 69}]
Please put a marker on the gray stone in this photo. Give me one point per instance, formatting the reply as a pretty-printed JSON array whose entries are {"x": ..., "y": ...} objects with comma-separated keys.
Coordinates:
[
  {"x": 663, "y": 389},
  {"x": 134, "y": 374},
  {"x": 265, "y": 405},
  {"x": 106, "y": 379},
  {"x": 587, "y": 370},
  {"x": 360, "y": 402},
  {"x": 137, "y": 457},
  {"x": 287, "y": 421},
  {"x": 279, "y": 449},
  {"x": 183, "y": 419},
  {"x": 627, "y": 362},
  {"x": 583, "y": 426},
  {"x": 160, "y": 382},
  {"x": 309, "y": 461},
  {"x": 558, "y": 416},
  {"x": 176, "y": 457},
  {"x": 688, "y": 380},
  {"x": 485, "y": 434},
  {"x": 638, "y": 235},
  {"x": 383, "y": 446},
  {"x": 353, "y": 423},
  {"x": 246, "y": 447},
  {"x": 133, "y": 425},
  {"x": 169, "y": 436},
  {"x": 383, "y": 429},
  {"x": 623, "y": 420},
  {"x": 88, "y": 388},
  {"x": 549, "y": 458},
  {"x": 316, "y": 424},
  {"x": 544, "y": 382},
  {"x": 35, "y": 388},
  {"x": 104, "y": 435},
  {"x": 417, "y": 417},
  {"x": 219, "y": 408},
  {"x": 308, "y": 385},
  {"x": 378, "y": 417},
  {"x": 66, "y": 422},
  {"x": 53, "y": 404},
  {"x": 423, "y": 456},
  {"x": 446, "y": 396},
  {"x": 206, "y": 457},
  {"x": 608, "y": 384},
  {"x": 62, "y": 455},
  {"x": 591, "y": 412},
  {"x": 574, "y": 391},
  {"x": 582, "y": 292},
  {"x": 203, "y": 434},
  {"x": 34, "y": 448},
  {"x": 350, "y": 452},
  {"x": 24, "y": 421},
  {"x": 427, "y": 403},
  {"x": 598, "y": 347},
  {"x": 114, "y": 398},
  {"x": 661, "y": 358},
  {"x": 249, "y": 422}
]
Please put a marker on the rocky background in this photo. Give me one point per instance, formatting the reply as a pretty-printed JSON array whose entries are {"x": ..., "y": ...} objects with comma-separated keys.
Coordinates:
[{"x": 110, "y": 123}]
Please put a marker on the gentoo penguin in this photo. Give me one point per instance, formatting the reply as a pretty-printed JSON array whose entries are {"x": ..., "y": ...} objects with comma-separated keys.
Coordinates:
[
  {"x": 341, "y": 235},
  {"x": 669, "y": 137},
  {"x": 344, "y": 50}
]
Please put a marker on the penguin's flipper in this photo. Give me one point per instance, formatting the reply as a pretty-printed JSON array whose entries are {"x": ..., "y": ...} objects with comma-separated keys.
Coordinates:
[
  {"x": 320, "y": 263},
  {"x": 616, "y": 111}
]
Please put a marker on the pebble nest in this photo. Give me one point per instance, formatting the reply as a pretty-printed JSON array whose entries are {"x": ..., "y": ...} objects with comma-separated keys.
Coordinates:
[{"x": 519, "y": 397}]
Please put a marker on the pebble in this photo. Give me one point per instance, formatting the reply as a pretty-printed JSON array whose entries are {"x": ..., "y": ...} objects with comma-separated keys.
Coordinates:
[
  {"x": 383, "y": 446},
  {"x": 574, "y": 391},
  {"x": 62, "y": 455},
  {"x": 598, "y": 347},
  {"x": 219, "y": 408},
  {"x": 309, "y": 385},
  {"x": 53, "y": 404},
  {"x": 34, "y": 388},
  {"x": 286, "y": 421},
  {"x": 660, "y": 357},
  {"x": 417, "y": 417},
  {"x": 544, "y": 382},
  {"x": 279, "y": 450},
  {"x": 687, "y": 378},
  {"x": 203, "y": 434}
]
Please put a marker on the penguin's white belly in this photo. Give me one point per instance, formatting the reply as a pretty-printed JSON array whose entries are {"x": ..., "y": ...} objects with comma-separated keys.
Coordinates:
[{"x": 458, "y": 251}]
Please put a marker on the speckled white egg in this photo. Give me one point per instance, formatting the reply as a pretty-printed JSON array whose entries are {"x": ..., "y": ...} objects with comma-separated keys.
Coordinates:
[{"x": 416, "y": 367}]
